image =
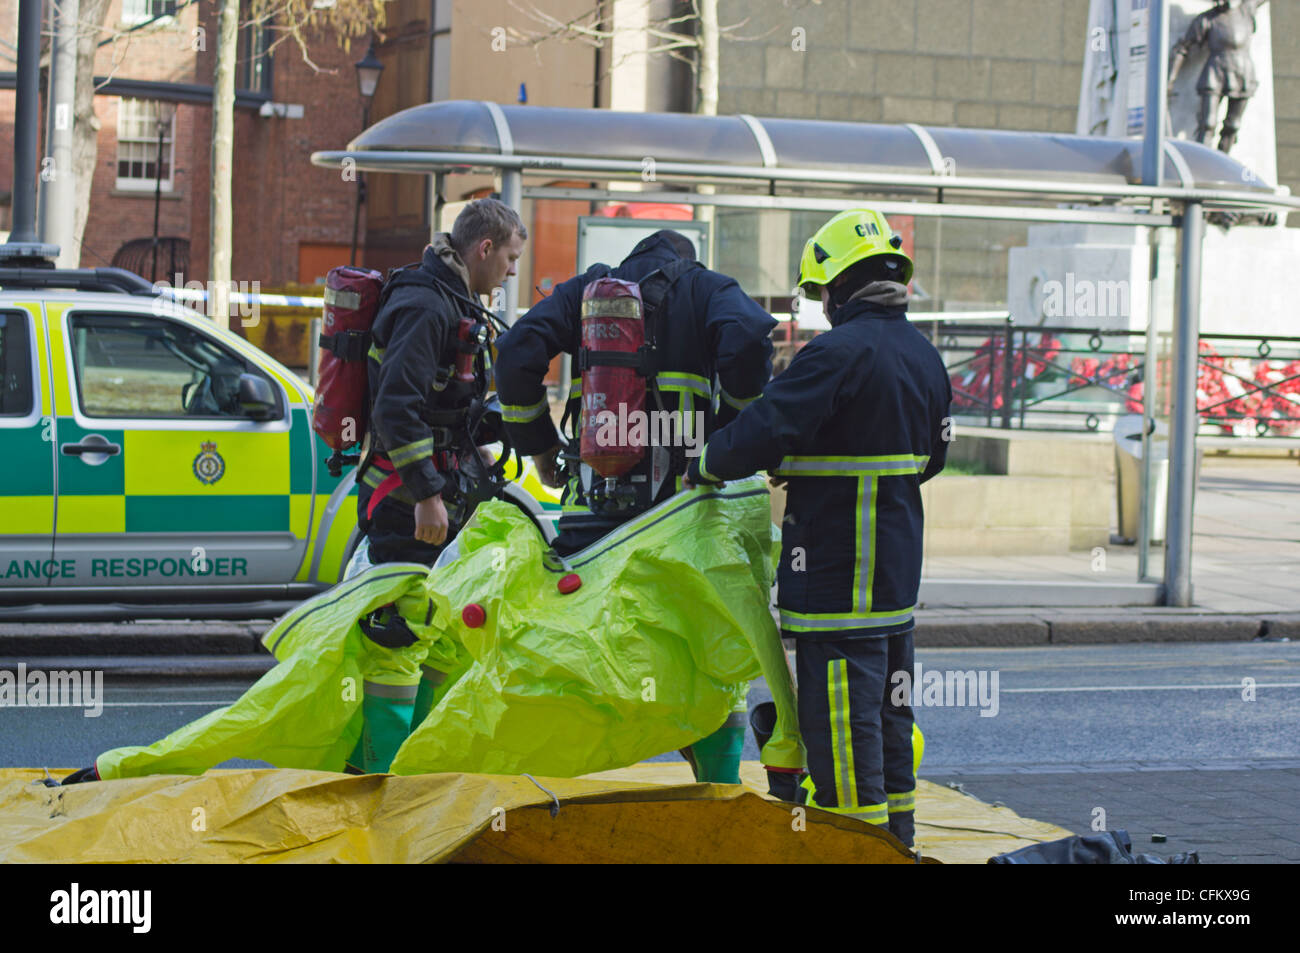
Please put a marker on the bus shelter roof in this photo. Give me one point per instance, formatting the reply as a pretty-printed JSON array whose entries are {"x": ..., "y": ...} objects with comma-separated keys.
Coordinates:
[{"x": 745, "y": 152}]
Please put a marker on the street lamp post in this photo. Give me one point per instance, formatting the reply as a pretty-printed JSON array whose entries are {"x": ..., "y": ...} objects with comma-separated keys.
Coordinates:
[
  {"x": 165, "y": 115},
  {"x": 368, "y": 70}
]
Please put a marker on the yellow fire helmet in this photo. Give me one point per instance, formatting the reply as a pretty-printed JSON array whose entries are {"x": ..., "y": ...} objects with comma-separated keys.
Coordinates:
[{"x": 848, "y": 238}]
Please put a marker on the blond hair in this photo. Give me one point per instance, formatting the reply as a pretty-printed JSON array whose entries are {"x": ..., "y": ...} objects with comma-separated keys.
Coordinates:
[{"x": 485, "y": 218}]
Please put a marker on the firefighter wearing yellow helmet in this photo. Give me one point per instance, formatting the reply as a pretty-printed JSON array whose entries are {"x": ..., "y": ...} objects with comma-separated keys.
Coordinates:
[
  {"x": 854, "y": 426},
  {"x": 860, "y": 237}
]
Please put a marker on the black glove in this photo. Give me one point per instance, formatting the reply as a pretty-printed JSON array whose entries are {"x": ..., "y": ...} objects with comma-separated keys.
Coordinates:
[{"x": 693, "y": 474}]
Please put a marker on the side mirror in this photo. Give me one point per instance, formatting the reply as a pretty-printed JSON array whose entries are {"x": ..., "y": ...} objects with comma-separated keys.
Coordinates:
[{"x": 256, "y": 398}]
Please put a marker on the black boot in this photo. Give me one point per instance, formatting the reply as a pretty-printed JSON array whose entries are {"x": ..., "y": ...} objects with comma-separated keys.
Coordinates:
[{"x": 85, "y": 774}]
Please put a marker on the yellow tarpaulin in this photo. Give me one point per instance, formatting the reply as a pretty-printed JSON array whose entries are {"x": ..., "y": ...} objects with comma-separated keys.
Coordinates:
[{"x": 644, "y": 814}]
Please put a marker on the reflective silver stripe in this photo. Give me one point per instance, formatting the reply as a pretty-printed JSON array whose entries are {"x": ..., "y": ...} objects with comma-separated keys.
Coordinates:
[
  {"x": 740, "y": 403},
  {"x": 398, "y": 692},
  {"x": 342, "y": 299},
  {"x": 846, "y": 789},
  {"x": 866, "y": 541},
  {"x": 432, "y": 675},
  {"x": 411, "y": 452},
  {"x": 848, "y": 467},
  {"x": 626, "y": 307},
  {"x": 688, "y": 382},
  {"x": 872, "y": 815},
  {"x": 876, "y": 814},
  {"x": 899, "y": 803},
  {"x": 517, "y": 414},
  {"x": 797, "y": 622}
]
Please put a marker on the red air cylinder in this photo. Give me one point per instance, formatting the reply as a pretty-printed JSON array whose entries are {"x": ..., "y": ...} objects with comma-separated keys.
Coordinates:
[
  {"x": 614, "y": 433},
  {"x": 351, "y": 301}
]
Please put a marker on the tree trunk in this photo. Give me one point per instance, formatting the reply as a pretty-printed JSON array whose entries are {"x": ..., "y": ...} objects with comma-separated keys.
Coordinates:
[
  {"x": 708, "y": 71},
  {"x": 85, "y": 125},
  {"x": 706, "y": 103},
  {"x": 223, "y": 149}
]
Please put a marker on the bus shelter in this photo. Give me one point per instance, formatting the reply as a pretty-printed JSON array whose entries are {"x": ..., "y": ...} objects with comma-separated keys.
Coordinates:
[{"x": 980, "y": 185}]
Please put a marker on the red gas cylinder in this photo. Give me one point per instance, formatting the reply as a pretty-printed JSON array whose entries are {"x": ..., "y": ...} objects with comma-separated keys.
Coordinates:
[
  {"x": 613, "y": 396},
  {"x": 351, "y": 301}
]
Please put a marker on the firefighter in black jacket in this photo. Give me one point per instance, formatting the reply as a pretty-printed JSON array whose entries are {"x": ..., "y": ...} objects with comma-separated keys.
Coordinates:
[
  {"x": 421, "y": 445},
  {"x": 713, "y": 354},
  {"x": 854, "y": 426},
  {"x": 418, "y": 406},
  {"x": 707, "y": 327}
]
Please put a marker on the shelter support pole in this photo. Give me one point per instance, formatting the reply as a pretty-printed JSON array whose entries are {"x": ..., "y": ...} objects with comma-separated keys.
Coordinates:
[
  {"x": 27, "y": 108},
  {"x": 512, "y": 193},
  {"x": 1156, "y": 109},
  {"x": 1184, "y": 419}
]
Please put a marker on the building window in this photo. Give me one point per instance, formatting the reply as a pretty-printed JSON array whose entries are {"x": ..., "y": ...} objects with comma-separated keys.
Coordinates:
[
  {"x": 138, "y": 126},
  {"x": 253, "y": 61},
  {"x": 141, "y": 11}
]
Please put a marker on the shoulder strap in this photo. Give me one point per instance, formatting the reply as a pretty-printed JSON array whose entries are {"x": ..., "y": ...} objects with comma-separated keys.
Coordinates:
[
  {"x": 655, "y": 287},
  {"x": 408, "y": 276}
]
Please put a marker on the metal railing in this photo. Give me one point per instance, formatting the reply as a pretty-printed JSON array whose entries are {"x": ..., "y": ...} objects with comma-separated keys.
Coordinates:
[{"x": 1050, "y": 377}]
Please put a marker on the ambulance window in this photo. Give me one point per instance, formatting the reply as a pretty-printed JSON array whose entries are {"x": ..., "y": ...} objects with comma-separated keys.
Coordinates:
[
  {"x": 16, "y": 395},
  {"x": 147, "y": 367}
]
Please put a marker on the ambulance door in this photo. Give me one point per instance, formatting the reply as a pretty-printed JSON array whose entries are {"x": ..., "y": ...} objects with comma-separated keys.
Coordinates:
[
  {"x": 26, "y": 452},
  {"x": 174, "y": 458}
]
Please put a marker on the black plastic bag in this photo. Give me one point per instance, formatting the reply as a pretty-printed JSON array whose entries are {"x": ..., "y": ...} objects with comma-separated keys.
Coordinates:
[{"x": 1112, "y": 847}]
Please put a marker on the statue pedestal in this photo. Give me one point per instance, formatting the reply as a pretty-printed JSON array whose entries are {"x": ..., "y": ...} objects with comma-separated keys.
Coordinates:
[{"x": 1097, "y": 276}]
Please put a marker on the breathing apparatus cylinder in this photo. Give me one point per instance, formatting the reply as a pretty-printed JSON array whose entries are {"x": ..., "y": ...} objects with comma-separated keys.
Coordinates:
[{"x": 612, "y": 365}]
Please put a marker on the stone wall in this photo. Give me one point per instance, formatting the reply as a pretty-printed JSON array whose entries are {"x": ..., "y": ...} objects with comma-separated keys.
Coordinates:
[{"x": 1013, "y": 64}]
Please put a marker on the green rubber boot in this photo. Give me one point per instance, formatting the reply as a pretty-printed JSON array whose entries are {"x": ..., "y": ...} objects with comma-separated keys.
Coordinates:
[
  {"x": 431, "y": 684},
  {"x": 716, "y": 759},
  {"x": 357, "y": 759},
  {"x": 388, "y": 722}
]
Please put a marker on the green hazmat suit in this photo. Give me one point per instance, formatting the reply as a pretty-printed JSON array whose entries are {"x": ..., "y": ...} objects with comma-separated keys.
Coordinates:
[{"x": 651, "y": 654}]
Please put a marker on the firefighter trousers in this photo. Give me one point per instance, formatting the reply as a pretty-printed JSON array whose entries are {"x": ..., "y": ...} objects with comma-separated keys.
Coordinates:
[
  {"x": 391, "y": 530},
  {"x": 859, "y": 742}
]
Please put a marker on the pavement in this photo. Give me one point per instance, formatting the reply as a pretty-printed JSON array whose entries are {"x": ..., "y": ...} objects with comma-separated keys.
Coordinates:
[
  {"x": 1245, "y": 548},
  {"x": 1244, "y": 812}
]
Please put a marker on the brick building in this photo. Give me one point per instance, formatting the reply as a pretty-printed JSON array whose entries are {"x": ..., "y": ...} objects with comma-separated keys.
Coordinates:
[{"x": 288, "y": 215}]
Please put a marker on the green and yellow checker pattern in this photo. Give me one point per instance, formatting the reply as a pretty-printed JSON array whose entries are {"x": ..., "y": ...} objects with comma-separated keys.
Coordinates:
[
  {"x": 152, "y": 485},
  {"x": 26, "y": 452}
]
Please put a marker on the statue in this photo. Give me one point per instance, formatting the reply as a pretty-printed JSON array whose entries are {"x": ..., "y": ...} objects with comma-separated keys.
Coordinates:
[{"x": 1227, "y": 30}]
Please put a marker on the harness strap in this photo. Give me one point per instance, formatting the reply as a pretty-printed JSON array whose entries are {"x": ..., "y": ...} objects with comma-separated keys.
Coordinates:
[
  {"x": 444, "y": 460},
  {"x": 387, "y": 485}
]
